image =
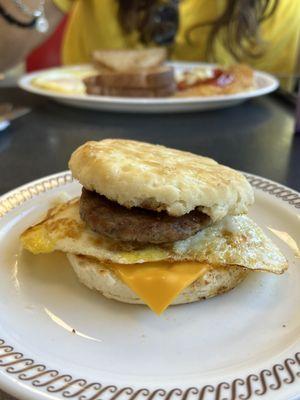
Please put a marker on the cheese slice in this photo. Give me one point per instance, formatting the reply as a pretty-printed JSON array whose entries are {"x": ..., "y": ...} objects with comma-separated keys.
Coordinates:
[{"x": 159, "y": 283}]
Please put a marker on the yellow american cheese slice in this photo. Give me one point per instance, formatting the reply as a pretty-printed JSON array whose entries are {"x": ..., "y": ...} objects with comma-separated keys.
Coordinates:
[{"x": 159, "y": 283}]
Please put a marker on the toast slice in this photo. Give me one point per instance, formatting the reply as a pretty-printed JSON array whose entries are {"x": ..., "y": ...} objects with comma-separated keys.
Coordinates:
[
  {"x": 143, "y": 79},
  {"x": 164, "y": 91},
  {"x": 129, "y": 60}
]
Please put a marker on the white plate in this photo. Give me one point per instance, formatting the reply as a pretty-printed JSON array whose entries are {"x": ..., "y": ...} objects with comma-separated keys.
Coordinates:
[
  {"x": 265, "y": 83},
  {"x": 243, "y": 344}
]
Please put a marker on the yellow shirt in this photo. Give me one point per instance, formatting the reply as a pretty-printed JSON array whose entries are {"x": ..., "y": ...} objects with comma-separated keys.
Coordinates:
[{"x": 93, "y": 24}]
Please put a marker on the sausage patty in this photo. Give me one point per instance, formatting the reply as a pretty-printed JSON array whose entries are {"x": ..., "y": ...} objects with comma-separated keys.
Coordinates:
[{"x": 137, "y": 224}]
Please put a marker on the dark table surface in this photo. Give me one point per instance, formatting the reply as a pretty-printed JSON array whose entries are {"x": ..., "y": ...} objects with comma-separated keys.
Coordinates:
[{"x": 257, "y": 137}]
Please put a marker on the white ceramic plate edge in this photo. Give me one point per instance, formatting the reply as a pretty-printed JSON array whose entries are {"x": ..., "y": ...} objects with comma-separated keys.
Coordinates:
[{"x": 153, "y": 104}]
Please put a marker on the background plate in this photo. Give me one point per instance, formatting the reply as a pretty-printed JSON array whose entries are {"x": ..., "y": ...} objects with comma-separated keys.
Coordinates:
[
  {"x": 265, "y": 83},
  {"x": 240, "y": 345}
]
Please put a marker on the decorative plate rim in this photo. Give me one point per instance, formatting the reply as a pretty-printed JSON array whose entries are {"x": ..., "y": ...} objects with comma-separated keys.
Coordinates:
[{"x": 26, "y": 370}]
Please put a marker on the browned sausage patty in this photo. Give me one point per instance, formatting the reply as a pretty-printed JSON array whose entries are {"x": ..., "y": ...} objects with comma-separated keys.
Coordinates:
[{"x": 137, "y": 224}]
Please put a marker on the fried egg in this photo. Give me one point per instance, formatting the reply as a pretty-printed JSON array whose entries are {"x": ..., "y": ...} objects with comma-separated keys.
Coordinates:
[
  {"x": 64, "y": 80},
  {"x": 235, "y": 240}
]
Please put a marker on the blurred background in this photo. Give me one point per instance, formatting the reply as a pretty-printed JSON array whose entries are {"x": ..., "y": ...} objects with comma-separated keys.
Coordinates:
[{"x": 261, "y": 33}]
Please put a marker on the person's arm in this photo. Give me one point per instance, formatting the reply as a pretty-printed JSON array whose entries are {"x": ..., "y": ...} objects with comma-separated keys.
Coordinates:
[{"x": 16, "y": 42}]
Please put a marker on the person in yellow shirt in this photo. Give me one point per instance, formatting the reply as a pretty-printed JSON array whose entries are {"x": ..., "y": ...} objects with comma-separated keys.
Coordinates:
[{"x": 262, "y": 33}]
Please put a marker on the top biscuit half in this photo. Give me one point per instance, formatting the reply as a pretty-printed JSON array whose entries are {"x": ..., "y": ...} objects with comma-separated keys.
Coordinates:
[{"x": 137, "y": 174}]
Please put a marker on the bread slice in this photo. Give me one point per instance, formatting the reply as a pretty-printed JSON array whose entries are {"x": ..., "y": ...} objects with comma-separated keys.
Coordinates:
[
  {"x": 145, "y": 78},
  {"x": 163, "y": 91},
  {"x": 129, "y": 60}
]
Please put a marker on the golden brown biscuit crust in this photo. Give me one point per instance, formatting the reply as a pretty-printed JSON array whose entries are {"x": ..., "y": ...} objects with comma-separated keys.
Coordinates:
[{"x": 137, "y": 174}]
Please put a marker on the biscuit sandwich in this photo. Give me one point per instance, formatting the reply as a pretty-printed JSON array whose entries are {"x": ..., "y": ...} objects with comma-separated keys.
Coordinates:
[{"x": 155, "y": 225}]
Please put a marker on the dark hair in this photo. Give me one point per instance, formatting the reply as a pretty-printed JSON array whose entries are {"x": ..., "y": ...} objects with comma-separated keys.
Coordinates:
[{"x": 239, "y": 24}]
